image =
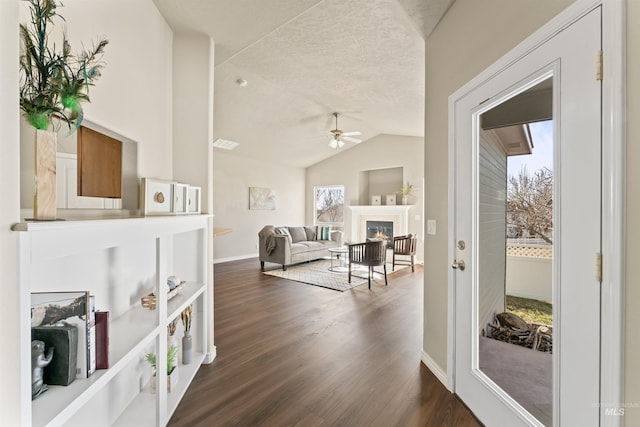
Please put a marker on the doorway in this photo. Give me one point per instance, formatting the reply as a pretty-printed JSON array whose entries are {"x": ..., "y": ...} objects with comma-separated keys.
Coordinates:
[{"x": 566, "y": 58}]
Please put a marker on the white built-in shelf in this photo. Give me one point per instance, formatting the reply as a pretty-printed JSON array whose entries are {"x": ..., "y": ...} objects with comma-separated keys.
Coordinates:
[
  {"x": 52, "y": 247},
  {"x": 186, "y": 296},
  {"x": 144, "y": 405}
]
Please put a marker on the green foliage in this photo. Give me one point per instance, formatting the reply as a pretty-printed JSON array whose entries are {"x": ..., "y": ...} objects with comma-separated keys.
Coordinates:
[
  {"x": 531, "y": 310},
  {"x": 172, "y": 359},
  {"x": 54, "y": 83}
]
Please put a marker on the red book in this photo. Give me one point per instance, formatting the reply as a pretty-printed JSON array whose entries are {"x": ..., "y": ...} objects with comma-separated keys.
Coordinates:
[{"x": 102, "y": 340}]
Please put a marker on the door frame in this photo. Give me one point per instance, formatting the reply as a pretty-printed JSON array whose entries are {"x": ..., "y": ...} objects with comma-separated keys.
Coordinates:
[{"x": 613, "y": 188}]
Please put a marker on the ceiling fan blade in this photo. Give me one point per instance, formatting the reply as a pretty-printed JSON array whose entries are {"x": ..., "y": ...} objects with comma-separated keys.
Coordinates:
[
  {"x": 355, "y": 133},
  {"x": 354, "y": 140}
]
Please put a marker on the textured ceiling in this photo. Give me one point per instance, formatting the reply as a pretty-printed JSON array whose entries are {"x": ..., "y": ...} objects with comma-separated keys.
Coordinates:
[{"x": 303, "y": 60}]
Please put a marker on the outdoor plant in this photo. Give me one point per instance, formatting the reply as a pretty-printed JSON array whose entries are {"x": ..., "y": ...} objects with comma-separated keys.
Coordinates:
[
  {"x": 172, "y": 359},
  {"x": 53, "y": 81}
]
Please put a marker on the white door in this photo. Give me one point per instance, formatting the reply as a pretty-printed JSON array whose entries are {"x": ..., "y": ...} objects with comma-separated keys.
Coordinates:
[{"x": 569, "y": 60}]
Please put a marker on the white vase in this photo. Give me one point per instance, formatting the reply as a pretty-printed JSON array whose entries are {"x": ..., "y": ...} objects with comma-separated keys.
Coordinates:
[
  {"x": 44, "y": 199},
  {"x": 405, "y": 200}
]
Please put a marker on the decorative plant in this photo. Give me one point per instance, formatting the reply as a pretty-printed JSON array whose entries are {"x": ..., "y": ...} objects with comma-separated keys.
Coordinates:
[
  {"x": 171, "y": 327},
  {"x": 186, "y": 319},
  {"x": 52, "y": 82},
  {"x": 172, "y": 359},
  {"x": 406, "y": 189}
]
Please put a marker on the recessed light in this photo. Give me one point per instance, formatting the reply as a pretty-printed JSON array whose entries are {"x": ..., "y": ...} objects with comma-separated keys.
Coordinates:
[
  {"x": 225, "y": 144},
  {"x": 242, "y": 82}
]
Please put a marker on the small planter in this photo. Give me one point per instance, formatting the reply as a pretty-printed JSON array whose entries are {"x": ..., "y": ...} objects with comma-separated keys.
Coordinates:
[{"x": 172, "y": 381}]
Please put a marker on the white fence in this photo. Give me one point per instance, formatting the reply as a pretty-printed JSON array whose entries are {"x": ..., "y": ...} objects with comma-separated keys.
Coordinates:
[{"x": 529, "y": 270}]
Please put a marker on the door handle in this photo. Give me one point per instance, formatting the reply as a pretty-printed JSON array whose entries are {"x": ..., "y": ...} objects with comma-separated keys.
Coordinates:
[{"x": 458, "y": 265}]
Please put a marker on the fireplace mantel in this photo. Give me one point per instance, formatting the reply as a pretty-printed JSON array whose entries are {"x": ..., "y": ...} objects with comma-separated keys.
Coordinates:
[{"x": 360, "y": 214}]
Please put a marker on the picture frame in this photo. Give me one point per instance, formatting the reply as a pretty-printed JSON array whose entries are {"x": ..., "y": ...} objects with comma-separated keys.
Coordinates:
[
  {"x": 390, "y": 200},
  {"x": 262, "y": 199},
  {"x": 49, "y": 308},
  {"x": 180, "y": 195},
  {"x": 156, "y": 197},
  {"x": 193, "y": 199},
  {"x": 375, "y": 200}
]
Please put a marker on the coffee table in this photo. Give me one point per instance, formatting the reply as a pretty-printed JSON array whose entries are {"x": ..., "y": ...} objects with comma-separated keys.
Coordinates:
[{"x": 339, "y": 255}]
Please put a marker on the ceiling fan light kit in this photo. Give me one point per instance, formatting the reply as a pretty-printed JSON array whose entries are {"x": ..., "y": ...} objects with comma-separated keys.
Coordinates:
[
  {"x": 338, "y": 136},
  {"x": 336, "y": 143}
]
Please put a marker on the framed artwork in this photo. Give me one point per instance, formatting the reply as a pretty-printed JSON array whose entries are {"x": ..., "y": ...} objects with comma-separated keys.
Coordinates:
[
  {"x": 390, "y": 199},
  {"x": 180, "y": 198},
  {"x": 156, "y": 197},
  {"x": 50, "y": 308},
  {"x": 193, "y": 199},
  {"x": 262, "y": 199},
  {"x": 375, "y": 200}
]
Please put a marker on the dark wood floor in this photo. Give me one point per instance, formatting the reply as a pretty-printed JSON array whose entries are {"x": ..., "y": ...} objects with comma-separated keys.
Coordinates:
[{"x": 291, "y": 354}]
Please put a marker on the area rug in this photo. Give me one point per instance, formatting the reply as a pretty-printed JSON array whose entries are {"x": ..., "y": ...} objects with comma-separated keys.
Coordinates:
[{"x": 317, "y": 273}]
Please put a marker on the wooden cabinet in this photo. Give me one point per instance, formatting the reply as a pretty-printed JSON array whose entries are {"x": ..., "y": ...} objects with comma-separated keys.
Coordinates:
[{"x": 119, "y": 261}]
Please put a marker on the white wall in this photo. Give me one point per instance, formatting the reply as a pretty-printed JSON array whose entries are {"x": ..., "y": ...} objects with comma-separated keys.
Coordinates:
[
  {"x": 133, "y": 95},
  {"x": 470, "y": 37},
  {"x": 193, "y": 75},
  {"x": 381, "y": 152},
  {"x": 492, "y": 251},
  {"x": 232, "y": 177},
  {"x": 9, "y": 210}
]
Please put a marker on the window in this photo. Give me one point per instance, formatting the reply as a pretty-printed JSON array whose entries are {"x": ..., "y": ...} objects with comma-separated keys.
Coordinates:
[{"x": 329, "y": 204}]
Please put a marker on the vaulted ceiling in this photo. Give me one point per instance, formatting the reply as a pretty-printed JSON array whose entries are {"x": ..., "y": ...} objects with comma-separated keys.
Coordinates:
[{"x": 305, "y": 59}]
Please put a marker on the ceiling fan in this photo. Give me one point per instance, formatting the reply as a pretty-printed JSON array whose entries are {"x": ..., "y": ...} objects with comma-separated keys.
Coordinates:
[{"x": 338, "y": 137}]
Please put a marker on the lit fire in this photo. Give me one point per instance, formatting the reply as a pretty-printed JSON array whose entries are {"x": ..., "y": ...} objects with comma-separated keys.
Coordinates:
[{"x": 380, "y": 235}]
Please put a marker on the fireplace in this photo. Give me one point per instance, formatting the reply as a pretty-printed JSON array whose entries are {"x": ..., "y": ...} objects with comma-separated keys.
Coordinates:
[
  {"x": 381, "y": 230},
  {"x": 398, "y": 215}
]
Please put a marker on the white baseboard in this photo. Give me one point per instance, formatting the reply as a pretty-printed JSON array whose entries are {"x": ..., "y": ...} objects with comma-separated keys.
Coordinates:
[
  {"x": 234, "y": 258},
  {"x": 435, "y": 368},
  {"x": 210, "y": 356}
]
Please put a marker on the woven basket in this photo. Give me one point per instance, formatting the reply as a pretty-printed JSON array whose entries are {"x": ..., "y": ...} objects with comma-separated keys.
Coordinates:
[{"x": 149, "y": 300}]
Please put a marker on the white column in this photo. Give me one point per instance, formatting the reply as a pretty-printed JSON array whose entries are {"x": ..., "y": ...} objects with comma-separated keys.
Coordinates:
[{"x": 11, "y": 395}]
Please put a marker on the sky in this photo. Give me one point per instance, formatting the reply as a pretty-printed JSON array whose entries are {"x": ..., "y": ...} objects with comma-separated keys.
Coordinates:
[{"x": 542, "y": 135}]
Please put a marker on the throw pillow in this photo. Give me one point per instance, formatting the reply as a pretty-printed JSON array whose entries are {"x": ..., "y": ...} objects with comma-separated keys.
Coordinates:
[
  {"x": 284, "y": 231},
  {"x": 311, "y": 233},
  {"x": 298, "y": 234},
  {"x": 323, "y": 232}
]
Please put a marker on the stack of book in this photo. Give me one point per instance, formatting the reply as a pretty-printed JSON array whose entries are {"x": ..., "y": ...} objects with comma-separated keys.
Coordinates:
[{"x": 68, "y": 321}]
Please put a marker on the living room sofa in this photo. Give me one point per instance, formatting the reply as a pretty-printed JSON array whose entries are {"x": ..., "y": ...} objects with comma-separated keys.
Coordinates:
[{"x": 293, "y": 245}]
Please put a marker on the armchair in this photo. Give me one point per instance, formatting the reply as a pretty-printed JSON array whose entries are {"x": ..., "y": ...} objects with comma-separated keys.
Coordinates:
[
  {"x": 404, "y": 246},
  {"x": 370, "y": 254}
]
